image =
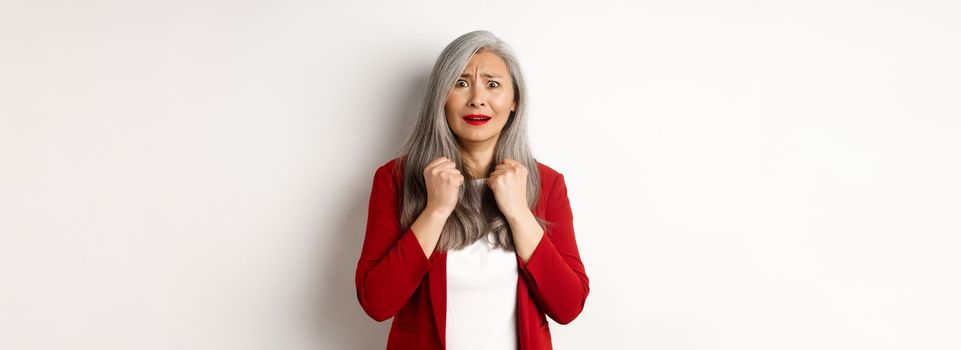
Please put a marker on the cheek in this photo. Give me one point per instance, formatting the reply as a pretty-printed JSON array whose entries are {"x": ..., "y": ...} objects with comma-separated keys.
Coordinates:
[
  {"x": 453, "y": 100},
  {"x": 505, "y": 100},
  {"x": 450, "y": 118},
  {"x": 449, "y": 109}
]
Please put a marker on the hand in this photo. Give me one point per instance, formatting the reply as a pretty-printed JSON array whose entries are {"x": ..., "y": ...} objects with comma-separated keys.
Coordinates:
[
  {"x": 443, "y": 181},
  {"x": 509, "y": 183}
]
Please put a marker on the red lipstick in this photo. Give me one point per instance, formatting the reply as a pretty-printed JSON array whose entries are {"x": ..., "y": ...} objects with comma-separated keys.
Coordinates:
[{"x": 476, "y": 119}]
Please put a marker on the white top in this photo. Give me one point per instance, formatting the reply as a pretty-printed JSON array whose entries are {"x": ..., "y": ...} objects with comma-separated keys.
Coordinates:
[{"x": 481, "y": 296}]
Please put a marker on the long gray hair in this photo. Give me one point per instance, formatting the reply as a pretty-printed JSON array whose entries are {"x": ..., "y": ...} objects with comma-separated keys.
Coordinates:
[{"x": 431, "y": 137}]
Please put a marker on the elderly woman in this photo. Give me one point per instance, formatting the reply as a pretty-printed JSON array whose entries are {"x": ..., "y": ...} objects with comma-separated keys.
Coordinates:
[{"x": 470, "y": 240}]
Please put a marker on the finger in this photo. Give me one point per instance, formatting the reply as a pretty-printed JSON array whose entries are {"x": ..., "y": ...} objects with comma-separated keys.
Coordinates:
[
  {"x": 446, "y": 165},
  {"x": 507, "y": 169},
  {"x": 433, "y": 164},
  {"x": 514, "y": 163},
  {"x": 455, "y": 179},
  {"x": 437, "y": 160},
  {"x": 450, "y": 171}
]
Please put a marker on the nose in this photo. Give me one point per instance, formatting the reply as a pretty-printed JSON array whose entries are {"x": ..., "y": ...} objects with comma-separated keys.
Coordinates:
[{"x": 478, "y": 96}]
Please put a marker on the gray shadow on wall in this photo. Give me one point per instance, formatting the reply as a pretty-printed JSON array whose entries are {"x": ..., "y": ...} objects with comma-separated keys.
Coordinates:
[{"x": 336, "y": 316}]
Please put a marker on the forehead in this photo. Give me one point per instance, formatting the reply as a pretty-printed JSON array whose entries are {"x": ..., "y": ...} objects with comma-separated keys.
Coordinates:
[{"x": 486, "y": 61}]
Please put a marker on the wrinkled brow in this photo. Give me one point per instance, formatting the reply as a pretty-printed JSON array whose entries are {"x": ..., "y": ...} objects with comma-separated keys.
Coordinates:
[{"x": 486, "y": 75}]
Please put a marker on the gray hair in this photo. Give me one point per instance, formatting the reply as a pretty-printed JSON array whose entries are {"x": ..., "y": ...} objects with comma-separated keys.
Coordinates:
[{"x": 431, "y": 137}]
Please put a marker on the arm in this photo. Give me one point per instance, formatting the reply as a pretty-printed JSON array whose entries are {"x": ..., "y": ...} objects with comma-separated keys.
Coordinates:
[
  {"x": 392, "y": 262},
  {"x": 527, "y": 234},
  {"x": 554, "y": 270}
]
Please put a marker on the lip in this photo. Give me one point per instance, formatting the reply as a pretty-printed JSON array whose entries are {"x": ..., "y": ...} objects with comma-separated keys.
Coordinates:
[{"x": 477, "y": 122}]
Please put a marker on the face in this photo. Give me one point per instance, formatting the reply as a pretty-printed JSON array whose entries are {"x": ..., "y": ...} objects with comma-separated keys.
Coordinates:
[{"x": 485, "y": 89}]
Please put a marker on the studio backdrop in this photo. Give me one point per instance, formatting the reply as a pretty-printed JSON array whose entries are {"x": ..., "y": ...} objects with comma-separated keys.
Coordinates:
[{"x": 742, "y": 175}]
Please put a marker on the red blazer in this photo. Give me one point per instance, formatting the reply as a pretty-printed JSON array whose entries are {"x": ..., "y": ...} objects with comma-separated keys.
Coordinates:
[{"x": 395, "y": 279}]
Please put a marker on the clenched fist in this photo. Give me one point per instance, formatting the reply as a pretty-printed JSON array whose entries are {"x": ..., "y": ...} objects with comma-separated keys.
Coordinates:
[
  {"x": 509, "y": 183},
  {"x": 443, "y": 181}
]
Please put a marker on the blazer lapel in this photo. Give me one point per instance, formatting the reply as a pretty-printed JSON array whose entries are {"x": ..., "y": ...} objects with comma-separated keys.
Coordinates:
[
  {"x": 522, "y": 307},
  {"x": 437, "y": 281}
]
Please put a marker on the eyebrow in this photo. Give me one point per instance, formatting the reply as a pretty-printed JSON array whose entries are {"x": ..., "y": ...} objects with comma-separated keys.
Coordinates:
[{"x": 487, "y": 75}]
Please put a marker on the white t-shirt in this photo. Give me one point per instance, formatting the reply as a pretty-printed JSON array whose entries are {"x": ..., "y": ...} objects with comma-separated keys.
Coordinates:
[{"x": 481, "y": 296}]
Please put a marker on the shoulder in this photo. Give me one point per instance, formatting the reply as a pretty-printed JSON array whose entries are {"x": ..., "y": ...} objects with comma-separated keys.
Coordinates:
[
  {"x": 389, "y": 172},
  {"x": 390, "y": 164},
  {"x": 549, "y": 176},
  {"x": 546, "y": 170},
  {"x": 553, "y": 201}
]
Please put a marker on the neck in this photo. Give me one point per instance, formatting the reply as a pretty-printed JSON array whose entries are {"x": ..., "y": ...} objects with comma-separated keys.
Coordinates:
[{"x": 477, "y": 157}]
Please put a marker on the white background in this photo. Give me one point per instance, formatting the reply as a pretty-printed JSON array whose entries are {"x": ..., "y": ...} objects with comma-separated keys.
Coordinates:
[{"x": 743, "y": 174}]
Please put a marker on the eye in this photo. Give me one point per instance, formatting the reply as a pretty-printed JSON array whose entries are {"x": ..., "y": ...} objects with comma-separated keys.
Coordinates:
[
  {"x": 458, "y": 82},
  {"x": 496, "y": 84}
]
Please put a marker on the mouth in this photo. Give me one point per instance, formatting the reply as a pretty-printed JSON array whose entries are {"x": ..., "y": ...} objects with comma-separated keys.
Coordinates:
[{"x": 476, "y": 119}]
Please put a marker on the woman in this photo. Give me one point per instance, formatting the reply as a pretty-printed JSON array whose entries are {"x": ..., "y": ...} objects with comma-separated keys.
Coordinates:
[{"x": 470, "y": 240}]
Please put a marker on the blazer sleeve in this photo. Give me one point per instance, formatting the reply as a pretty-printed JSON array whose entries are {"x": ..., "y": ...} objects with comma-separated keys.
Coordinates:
[
  {"x": 554, "y": 270},
  {"x": 392, "y": 262}
]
